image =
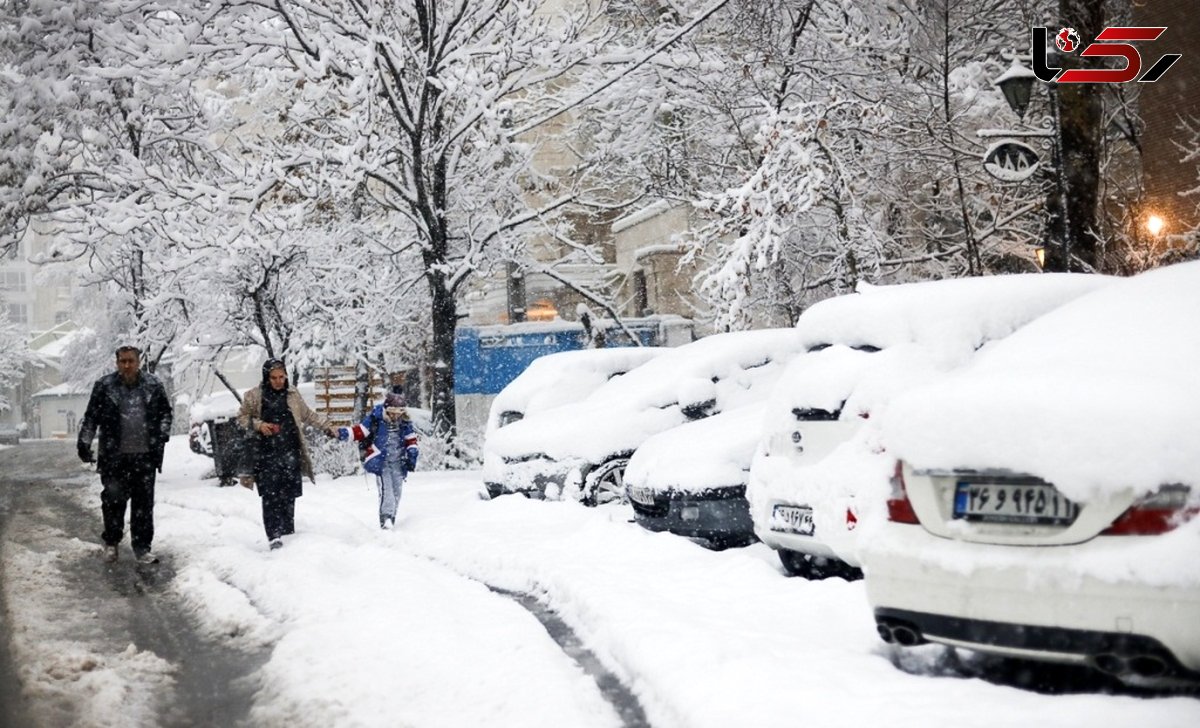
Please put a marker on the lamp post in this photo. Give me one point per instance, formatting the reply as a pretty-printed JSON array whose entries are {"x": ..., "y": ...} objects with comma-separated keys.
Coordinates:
[
  {"x": 1017, "y": 86},
  {"x": 1010, "y": 160}
]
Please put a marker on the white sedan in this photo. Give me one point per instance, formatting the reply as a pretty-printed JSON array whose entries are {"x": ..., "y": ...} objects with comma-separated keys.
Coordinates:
[
  {"x": 1046, "y": 503},
  {"x": 820, "y": 476}
]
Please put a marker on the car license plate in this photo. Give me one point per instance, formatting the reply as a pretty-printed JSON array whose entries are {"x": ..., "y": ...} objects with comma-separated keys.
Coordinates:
[
  {"x": 1030, "y": 503},
  {"x": 642, "y": 494},
  {"x": 792, "y": 519}
]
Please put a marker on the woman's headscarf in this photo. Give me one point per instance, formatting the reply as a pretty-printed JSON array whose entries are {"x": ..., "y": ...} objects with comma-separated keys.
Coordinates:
[{"x": 268, "y": 366}]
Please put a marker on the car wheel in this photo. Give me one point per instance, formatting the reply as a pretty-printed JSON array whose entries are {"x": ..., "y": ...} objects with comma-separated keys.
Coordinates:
[
  {"x": 606, "y": 483},
  {"x": 816, "y": 567}
]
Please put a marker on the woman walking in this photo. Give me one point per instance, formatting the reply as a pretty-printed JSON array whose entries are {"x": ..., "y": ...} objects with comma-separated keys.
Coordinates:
[{"x": 273, "y": 412}]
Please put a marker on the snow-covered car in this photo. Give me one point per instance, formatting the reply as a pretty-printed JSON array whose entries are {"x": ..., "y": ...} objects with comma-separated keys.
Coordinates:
[
  {"x": 9, "y": 435},
  {"x": 820, "y": 469},
  {"x": 1047, "y": 498},
  {"x": 691, "y": 479},
  {"x": 552, "y": 381},
  {"x": 561, "y": 378},
  {"x": 580, "y": 450}
]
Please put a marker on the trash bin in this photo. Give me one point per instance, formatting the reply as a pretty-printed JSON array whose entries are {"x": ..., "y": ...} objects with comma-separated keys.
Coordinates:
[{"x": 229, "y": 447}]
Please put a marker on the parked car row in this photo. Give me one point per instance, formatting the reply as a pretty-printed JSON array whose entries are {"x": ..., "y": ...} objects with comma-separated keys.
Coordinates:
[
  {"x": 1012, "y": 461},
  {"x": 580, "y": 449}
]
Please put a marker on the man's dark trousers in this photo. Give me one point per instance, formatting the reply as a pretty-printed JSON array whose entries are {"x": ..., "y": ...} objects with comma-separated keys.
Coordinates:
[{"x": 129, "y": 479}]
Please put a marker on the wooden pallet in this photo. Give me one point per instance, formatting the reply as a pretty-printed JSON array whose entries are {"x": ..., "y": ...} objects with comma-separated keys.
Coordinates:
[{"x": 335, "y": 387}]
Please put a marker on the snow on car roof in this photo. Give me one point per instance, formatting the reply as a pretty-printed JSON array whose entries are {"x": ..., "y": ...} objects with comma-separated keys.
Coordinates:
[
  {"x": 923, "y": 328},
  {"x": 729, "y": 370},
  {"x": 1097, "y": 396},
  {"x": 821, "y": 379},
  {"x": 961, "y": 311},
  {"x": 675, "y": 375},
  {"x": 567, "y": 376}
]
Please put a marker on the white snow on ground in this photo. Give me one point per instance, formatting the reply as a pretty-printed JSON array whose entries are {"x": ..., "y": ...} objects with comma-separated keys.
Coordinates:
[{"x": 379, "y": 628}]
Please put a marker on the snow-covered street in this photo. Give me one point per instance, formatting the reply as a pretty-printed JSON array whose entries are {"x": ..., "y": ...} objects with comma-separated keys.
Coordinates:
[{"x": 362, "y": 627}]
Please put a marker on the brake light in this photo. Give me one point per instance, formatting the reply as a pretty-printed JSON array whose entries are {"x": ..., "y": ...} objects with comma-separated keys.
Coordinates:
[
  {"x": 1157, "y": 513},
  {"x": 899, "y": 508}
]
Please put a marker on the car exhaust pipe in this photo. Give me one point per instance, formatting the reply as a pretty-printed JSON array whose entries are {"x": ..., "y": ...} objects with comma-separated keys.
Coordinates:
[
  {"x": 885, "y": 632},
  {"x": 900, "y": 633},
  {"x": 907, "y": 636},
  {"x": 1145, "y": 666}
]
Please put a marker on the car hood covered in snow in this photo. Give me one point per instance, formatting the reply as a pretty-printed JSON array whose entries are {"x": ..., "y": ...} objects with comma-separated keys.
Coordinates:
[{"x": 710, "y": 453}]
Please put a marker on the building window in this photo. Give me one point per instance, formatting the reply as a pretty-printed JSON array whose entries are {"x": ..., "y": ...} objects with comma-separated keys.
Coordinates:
[
  {"x": 61, "y": 317},
  {"x": 541, "y": 310},
  {"x": 18, "y": 313},
  {"x": 12, "y": 280}
]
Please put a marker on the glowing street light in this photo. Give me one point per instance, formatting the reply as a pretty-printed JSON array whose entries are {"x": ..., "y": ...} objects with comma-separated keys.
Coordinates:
[{"x": 1155, "y": 224}]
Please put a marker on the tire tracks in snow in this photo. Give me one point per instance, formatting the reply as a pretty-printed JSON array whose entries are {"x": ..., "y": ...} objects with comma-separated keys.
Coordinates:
[{"x": 621, "y": 698}]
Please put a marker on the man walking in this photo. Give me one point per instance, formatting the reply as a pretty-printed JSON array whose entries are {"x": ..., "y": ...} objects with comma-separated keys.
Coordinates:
[{"x": 131, "y": 410}]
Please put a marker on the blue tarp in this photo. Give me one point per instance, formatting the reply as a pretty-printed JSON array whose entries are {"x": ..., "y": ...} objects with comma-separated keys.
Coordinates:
[{"x": 487, "y": 358}]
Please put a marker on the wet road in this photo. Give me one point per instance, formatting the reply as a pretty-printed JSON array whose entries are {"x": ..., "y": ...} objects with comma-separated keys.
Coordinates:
[{"x": 96, "y": 608}]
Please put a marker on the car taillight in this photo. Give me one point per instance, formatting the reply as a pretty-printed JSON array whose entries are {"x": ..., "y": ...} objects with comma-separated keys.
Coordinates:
[
  {"x": 1159, "y": 512},
  {"x": 899, "y": 508}
]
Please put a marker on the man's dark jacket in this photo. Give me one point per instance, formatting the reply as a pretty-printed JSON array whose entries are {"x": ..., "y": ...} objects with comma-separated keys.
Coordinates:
[{"x": 104, "y": 412}]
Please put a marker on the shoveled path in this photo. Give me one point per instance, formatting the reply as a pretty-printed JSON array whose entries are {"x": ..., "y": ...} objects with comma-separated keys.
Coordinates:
[{"x": 131, "y": 604}]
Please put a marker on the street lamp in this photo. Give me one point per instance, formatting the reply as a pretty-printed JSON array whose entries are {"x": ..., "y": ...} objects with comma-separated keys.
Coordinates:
[
  {"x": 1017, "y": 86},
  {"x": 1155, "y": 224},
  {"x": 1009, "y": 160}
]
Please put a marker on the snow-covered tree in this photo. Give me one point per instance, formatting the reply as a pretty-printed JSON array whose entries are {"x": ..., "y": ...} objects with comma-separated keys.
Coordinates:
[
  {"x": 105, "y": 143},
  {"x": 446, "y": 113},
  {"x": 14, "y": 356},
  {"x": 858, "y": 154}
]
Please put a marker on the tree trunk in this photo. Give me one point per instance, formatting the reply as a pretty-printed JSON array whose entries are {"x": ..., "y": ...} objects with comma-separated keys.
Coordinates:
[
  {"x": 1080, "y": 115},
  {"x": 445, "y": 320}
]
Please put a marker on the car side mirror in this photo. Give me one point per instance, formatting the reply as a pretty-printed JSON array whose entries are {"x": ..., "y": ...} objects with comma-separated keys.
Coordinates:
[{"x": 698, "y": 410}]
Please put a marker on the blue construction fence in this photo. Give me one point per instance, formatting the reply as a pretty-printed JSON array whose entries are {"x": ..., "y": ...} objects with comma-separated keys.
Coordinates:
[{"x": 487, "y": 358}]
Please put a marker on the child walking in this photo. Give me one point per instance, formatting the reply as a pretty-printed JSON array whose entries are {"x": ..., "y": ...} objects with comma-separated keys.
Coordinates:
[{"x": 391, "y": 453}]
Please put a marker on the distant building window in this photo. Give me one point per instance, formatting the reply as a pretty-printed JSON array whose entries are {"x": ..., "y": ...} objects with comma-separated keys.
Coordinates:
[
  {"x": 18, "y": 313},
  {"x": 541, "y": 310},
  {"x": 61, "y": 317},
  {"x": 12, "y": 280}
]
